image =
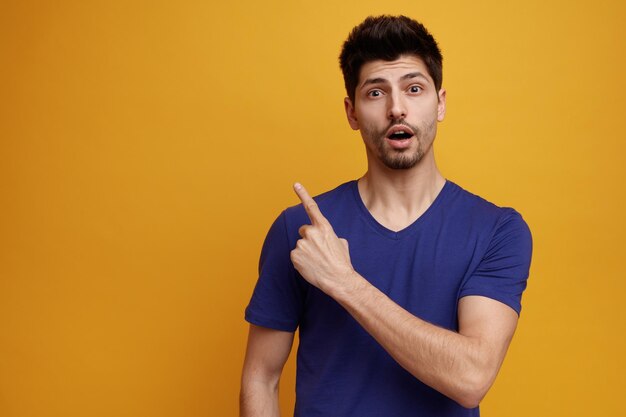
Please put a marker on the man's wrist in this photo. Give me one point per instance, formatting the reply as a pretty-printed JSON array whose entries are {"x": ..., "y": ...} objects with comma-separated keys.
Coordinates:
[{"x": 348, "y": 287}]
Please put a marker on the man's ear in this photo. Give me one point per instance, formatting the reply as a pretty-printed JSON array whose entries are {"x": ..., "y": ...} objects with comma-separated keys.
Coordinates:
[
  {"x": 441, "y": 106},
  {"x": 350, "y": 113}
]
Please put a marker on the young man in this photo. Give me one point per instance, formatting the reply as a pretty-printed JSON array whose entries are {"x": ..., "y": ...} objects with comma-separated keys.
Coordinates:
[{"x": 405, "y": 288}]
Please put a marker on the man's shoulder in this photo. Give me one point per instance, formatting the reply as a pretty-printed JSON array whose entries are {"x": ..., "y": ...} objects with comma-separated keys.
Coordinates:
[
  {"x": 466, "y": 204},
  {"x": 461, "y": 197}
]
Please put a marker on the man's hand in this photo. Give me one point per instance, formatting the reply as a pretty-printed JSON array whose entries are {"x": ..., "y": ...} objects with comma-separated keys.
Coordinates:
[{"x": 320, "y": 256}]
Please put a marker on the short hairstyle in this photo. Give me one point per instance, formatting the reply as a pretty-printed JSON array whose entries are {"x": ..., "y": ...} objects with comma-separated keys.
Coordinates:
[{"x": 387, "y": 38}]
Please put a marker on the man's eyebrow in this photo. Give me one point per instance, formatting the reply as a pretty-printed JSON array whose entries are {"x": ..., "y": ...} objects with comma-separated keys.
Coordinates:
[
  {"x": 374, "y": 81},
  {"x": 410, "y": 75},
  {"x": 415, "y": 74}
]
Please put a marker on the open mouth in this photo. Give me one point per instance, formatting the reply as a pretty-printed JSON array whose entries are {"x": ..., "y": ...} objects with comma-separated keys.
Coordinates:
[{"x": 399, "y": 133}]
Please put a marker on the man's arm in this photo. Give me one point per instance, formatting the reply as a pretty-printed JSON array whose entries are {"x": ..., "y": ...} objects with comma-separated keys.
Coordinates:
[
  {"x": 266, "y": 354},
  {"x": 460, "y": 365}
]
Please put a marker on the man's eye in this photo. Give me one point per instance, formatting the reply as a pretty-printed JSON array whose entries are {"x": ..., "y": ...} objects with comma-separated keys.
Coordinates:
[
  {"x": 374, "y": 93},
  {"x": 415, "y": 89}
]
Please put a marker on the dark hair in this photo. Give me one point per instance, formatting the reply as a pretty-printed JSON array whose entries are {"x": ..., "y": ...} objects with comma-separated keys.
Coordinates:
[{"x": 387, "y": 38}]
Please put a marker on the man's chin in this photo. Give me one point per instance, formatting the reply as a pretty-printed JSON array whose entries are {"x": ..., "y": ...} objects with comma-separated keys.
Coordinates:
[
  {"x": 401, "y": 163},
  {"x": 403, "y": 160}
]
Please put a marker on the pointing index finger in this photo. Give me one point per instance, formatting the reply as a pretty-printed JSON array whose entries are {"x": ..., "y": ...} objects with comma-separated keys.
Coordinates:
[{"x": 310, "y": 206}]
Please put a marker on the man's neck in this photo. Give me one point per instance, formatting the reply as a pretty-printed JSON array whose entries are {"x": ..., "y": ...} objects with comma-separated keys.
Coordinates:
[{"x": 398, "y": 197}]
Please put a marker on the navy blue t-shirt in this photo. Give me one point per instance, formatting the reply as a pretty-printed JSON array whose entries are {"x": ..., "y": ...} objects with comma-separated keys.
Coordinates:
[{"x": 461, "y": 245}]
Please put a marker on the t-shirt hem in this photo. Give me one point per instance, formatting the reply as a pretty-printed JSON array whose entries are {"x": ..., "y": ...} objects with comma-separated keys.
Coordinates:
[
  {"x": 507, "y": 302},
  {"x": 270, "y": 323}
]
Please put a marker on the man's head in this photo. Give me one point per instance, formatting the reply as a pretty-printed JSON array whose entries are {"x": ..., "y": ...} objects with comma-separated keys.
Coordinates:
[
  {"x": 392, "y": 71},
  {"x": 387, "y": 38}
]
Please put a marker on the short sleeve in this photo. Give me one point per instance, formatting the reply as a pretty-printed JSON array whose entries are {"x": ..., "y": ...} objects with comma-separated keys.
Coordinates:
[
  {"x": 277, "y": 299},
  {"x": 503, "y": 271}
]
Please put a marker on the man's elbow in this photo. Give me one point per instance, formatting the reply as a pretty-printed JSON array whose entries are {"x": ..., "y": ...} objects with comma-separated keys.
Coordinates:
[
  {"x": 472, "y": 391},
  {"x": 470, "y": 399}
]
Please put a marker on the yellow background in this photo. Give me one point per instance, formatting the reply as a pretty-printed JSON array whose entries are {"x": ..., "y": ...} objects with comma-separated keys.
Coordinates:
[{"x": 146, "y": 147}]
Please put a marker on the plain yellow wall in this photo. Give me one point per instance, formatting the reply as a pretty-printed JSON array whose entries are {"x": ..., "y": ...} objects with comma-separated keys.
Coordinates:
[{"x": 146, "y": 147}]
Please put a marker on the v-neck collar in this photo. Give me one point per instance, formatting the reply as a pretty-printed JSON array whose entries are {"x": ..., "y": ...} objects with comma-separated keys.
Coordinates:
[{"x": 391, "y": 234}]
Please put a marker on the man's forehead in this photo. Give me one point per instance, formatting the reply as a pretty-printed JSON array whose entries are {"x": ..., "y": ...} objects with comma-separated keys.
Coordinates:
[{"x": 381, "y": 70}]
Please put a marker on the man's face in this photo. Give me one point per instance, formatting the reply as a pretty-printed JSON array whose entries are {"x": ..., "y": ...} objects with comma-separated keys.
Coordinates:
[{"x": 396, "y": 107}]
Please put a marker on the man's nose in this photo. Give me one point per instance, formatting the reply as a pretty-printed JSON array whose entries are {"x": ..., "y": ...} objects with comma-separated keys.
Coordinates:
[{"x": 397, "y": 106}]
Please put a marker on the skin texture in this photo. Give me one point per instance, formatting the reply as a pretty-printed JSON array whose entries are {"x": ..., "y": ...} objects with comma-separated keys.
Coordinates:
[
  {"x": 266, "y": 355},
  {"x": 401, "y": 182}
]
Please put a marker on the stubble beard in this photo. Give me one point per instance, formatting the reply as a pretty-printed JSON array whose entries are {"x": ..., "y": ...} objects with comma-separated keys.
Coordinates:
[{"x": 398, "y": 159}]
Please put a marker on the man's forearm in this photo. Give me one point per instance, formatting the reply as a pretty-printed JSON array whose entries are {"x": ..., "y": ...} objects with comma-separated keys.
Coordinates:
[
  {"x": 461, "y": 367},
  {"x": 266, "y": 355},
  {"x": 258, "y": 399}
]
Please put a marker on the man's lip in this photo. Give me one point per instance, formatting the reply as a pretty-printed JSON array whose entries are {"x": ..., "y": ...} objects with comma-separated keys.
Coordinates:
[
  {"x": 399, "y": 128},
  {"x": 400, "y": 144}
]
